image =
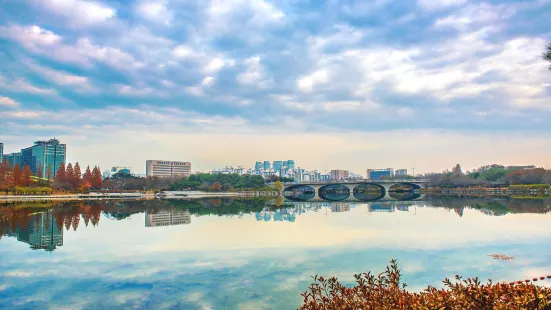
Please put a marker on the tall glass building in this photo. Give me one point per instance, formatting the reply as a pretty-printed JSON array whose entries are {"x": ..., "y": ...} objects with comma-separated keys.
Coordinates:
[
  {"x": 266, "y": 165},
  {"x": 290, "y": 164},
  {"x": 13, "y": 158},
  {"x": 43, "y": 154},
  {"x": 258, "y": 166},
  {"x": 278, "y": 164},
  {"x": 1, "y": 152}
]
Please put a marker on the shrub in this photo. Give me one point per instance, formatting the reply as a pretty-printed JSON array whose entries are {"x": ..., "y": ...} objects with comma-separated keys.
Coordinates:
[{"x": 385, "y": 291}]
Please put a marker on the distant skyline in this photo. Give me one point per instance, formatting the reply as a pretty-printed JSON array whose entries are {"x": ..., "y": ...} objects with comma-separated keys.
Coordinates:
[{"x": 331, "y": 84}]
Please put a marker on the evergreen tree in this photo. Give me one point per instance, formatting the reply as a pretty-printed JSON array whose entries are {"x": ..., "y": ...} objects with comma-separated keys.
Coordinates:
[
  {"x": 16, "y": 173},
  {"x": 26, "y": 176},
  {"x": 70, "y": 173}
]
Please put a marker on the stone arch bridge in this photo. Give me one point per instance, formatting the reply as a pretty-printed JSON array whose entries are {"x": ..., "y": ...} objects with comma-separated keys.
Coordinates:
[{"x": 351, "y": 191}]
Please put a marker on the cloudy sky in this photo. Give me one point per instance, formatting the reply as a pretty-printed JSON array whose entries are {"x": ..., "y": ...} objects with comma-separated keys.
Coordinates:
[{"x": 331, "y": 84}]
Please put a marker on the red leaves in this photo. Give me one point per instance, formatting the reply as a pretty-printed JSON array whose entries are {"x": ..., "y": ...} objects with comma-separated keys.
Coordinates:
[{"x": 386, "y": 292}]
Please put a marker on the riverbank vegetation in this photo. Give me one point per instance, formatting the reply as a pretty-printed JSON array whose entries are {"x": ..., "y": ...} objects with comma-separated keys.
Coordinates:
[
  {"x": 386, "y": 291},
  {"x": 222, "y": 182},
  {"x": 491, "y": 176}
]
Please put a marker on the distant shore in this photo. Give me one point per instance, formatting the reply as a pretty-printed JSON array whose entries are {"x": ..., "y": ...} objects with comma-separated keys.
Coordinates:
[{"x": 137, "y": 196}]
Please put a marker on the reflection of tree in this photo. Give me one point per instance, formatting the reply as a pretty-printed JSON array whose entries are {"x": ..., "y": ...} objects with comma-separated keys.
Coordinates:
[{"x": 459, "y": 211}]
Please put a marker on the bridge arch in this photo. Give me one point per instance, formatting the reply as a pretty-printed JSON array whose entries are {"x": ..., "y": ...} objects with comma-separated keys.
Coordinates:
[
  {"x": 300, "y": 192},
  {"x": 369, "y": 192},
  {"x": 334, "y": 192}
]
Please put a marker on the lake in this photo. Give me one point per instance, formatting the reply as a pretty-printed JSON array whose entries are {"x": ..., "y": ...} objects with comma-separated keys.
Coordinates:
[{"x": 250, "y": 254}]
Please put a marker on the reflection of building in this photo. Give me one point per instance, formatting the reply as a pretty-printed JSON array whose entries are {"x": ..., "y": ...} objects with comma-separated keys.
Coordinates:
[
  {"x": 163, "y": 168},
  {"x": 167, "y": 218},
  {"x": 41, "y": 233},
  {"x": 402, "y": 208},
  {"x": 380, "y": 207},
  {"x": 379, "y": 174},
  {"x": 340, "y": 207}
]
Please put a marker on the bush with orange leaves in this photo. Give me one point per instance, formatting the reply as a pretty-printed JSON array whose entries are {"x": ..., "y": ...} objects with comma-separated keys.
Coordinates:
[{"x": 385, "y": 291}]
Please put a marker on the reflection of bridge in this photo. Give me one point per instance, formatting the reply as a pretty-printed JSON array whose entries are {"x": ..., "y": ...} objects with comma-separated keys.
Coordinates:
[{"x": 354, "y": 191}]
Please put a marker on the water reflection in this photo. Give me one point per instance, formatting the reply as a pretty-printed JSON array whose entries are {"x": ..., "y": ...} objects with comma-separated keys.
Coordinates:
[
  {"x": 167, "y": 218},
  {"x": 41, "y": 229},
  {"x": 260, "y": 254}
]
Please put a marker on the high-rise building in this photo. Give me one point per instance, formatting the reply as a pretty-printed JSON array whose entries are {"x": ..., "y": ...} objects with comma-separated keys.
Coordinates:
[
  {"x": 167, "y": 218},
  {"x": 401, "y": 173},
  {"x": 290, "y": 164},
  {"x": 266, "y": 165},
  {"x": 278, "y": 164},
  {"x": 258, "y": 166},
  {"x": 380, "y": 174},
  {"x": 164, "y": 168},
  {"x": 44, "y": 154},
  {"x": 1, "y": 152},
  {"x": 339, "y": 175},
  {"x": 13, "y": 158}
]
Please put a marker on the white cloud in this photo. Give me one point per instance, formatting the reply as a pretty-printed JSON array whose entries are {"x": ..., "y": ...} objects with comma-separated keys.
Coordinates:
[
  {"x": 439, "y": 4},
  {"x": 254, "y": 74},
  {"x": 8, "y": 102},
  {"x": 216, "y": 64},
  {"x": 21, "y": 114},
  {"x": 60, "y": 77},
  {"x": 182, "y": 51},
  {"x": 22, "y": 86},
  {"x": 155, "y": 11},
  {"x": 259, "y": 12},
  {"x": 209, "y": 80},
  {"x": 31, "y": 37},
  {"x": 129, "y": 90},
  {"x": 45, "y": 42},
  {"x": 307, "y": 83},
  {"x": 78, "y": 12}
]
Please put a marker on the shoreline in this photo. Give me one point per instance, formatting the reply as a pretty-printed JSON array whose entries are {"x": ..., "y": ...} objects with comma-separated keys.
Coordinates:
[{"x": 136, "y": 196}]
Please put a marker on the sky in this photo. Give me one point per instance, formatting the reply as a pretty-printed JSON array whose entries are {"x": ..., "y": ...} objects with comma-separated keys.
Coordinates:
[{"x": 331, "y": 84}]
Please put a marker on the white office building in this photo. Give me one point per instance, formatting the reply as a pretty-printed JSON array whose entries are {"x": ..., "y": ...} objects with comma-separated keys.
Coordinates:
[{"x": 165, "y": 168}]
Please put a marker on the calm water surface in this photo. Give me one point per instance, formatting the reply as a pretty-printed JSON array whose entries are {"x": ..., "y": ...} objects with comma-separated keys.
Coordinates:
[{"x": 224, "y": 254}]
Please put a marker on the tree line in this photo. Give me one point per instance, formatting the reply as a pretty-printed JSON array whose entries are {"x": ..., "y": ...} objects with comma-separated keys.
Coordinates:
[
  {"x": 490, "y": 175},
  {"x": 21, "y": 180}
]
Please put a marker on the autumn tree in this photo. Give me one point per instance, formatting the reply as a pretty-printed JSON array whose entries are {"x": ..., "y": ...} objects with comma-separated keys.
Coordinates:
[
  {"x": 16, "y": 173},
  {"x": 78, "y": 176},
  {"x": 49, "y": 173},
  {"x": 457, "y": 170},
  {"x": 70, "y": 173},
  {"x": 26, "y": 176},
  {"x": 547, "y": 54},
  {"x": 40, "y": 170},
  {"x": 96, "y": 180},
  {"x": 60, "y": 175},
  {"x": 87, "y": 177},
  {"x": 5, "y": 175},
  {"x": 61, "y": 178}
]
